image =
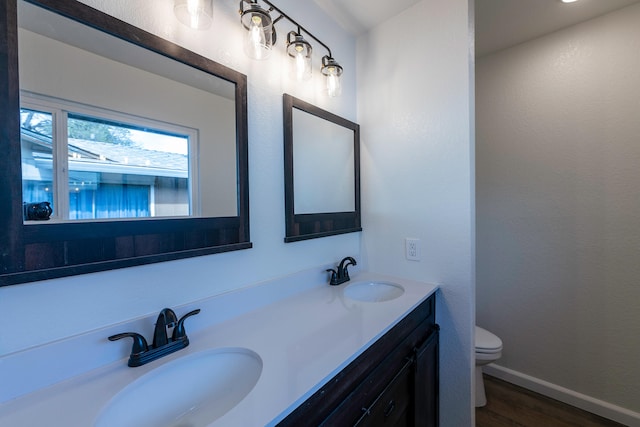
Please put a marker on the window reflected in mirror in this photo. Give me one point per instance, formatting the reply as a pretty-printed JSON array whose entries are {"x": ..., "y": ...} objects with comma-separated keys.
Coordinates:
[
  {"x": 104, "y": 168},
  {"x": 124, "y": 96}
]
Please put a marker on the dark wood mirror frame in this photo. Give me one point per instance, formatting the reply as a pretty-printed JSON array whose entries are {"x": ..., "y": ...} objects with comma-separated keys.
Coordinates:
[
  {"x": 45, "y": 251},
  {"x": 314, "y": 225}
]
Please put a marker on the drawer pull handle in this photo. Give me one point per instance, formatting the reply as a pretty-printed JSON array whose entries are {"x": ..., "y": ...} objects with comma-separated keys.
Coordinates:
[{"x": 389, "y": 409}]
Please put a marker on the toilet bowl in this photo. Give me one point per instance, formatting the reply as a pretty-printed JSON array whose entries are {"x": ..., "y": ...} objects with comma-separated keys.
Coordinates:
[{"x": 488, "y": 350}]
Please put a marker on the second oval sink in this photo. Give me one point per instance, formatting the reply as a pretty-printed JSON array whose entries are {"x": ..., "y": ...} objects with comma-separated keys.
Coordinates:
[
  {"x": 192, "y": 391},
  {"x": 373, "y": 291}
]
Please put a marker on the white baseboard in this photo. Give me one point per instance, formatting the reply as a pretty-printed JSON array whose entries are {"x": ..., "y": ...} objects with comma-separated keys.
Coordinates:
[{"x": 570, "y": 397}]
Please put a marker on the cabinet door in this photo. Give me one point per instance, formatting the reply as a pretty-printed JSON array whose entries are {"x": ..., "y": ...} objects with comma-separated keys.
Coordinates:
[
  {"x": 394, "y": 376},
  {"x": 426, "y": 381},
  {"x": 392, "y": 408}
]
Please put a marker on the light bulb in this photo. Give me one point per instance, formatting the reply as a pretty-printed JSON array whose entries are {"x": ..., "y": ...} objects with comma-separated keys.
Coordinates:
[
  {"x": 192, "y": 9},
  {"x": 300, "y": 52},
  {"x": 300, "y": 64},
  {"x": 259, "y": 36},
  {"x": 256, "y": 22},
  {"x": 256, "y": 36},
  {"x": 197, "y": 14},
  {"x": 333, "y": 84},
  {"x": 332, "y": 72}
]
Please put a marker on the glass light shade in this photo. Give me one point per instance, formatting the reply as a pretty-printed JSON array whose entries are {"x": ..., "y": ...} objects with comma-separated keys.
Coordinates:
[
  {"x": 197, "y": 14},
  {"x": 332, "y": 72},
  {"x": 260, "y": 34},
  {"x": 299, "y": 51}
]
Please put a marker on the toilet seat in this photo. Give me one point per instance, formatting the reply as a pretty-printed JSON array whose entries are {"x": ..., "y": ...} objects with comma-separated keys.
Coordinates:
[{"x": 486, "y": 342}]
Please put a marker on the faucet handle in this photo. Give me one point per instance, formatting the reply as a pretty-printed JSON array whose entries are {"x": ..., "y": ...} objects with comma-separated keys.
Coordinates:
[
  {"x": 139, "y": 343},
  {"x": 334, "y": 276},
  {"x": 178, "y": 331}
]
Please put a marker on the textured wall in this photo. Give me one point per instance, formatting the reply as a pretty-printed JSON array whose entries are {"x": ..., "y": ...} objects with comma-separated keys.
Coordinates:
[
  {"x": 414, "y": 101},
  {"x": 558, "y": 206}
]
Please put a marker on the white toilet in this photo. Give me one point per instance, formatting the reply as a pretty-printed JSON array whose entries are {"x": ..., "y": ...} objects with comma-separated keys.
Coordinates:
[{"x": 488, "y": 350}]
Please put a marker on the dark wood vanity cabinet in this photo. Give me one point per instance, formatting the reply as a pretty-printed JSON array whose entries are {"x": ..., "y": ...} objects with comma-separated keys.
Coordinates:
[{"x": 393, "y": 383}]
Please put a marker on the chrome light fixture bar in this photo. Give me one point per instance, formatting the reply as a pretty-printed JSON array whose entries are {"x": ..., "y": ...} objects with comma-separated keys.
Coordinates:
[{"x": 261, "y": 36}]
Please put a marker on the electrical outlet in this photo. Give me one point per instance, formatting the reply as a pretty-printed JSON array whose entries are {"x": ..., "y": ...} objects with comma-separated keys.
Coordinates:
[{"x": 412, "y": 249}]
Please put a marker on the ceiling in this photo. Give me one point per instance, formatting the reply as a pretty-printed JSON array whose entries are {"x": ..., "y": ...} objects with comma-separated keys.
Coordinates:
[
  {"x": 504, "y": 23},
  {"x": 499, "y": 23},
  {"x": 358, "y": 16}
]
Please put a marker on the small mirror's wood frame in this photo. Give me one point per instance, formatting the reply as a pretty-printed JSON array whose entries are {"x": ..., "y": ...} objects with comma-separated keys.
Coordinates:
[
  {"x": 314, "y": 225},
  {"x": 45, "y": 251}
]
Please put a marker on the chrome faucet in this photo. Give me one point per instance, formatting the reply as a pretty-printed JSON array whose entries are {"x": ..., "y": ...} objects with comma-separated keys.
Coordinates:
[
  {"x": 341, "y": 274},
  {"x": 142, "y": 353}
]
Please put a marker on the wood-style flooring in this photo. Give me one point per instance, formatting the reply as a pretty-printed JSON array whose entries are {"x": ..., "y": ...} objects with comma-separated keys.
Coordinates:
[{"x": 511, "y": 406}]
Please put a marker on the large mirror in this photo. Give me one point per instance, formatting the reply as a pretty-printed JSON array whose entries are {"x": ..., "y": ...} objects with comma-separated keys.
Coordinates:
[
  {"x": 322, "y": 172},
  {"x": 122, "y": 148}
]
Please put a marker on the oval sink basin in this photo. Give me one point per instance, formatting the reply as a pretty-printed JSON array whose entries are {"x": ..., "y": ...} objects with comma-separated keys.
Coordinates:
[
  {"x": 191, "y": 391},
  {"x": 370, "y": 291}
]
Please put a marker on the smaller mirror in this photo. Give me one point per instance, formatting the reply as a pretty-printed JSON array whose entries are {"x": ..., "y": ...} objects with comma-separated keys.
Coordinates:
[{"x": 322, "y": 172}]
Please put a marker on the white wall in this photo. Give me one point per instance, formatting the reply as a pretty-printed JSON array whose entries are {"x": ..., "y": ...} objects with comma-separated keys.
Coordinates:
[
  {"x": 417, "y": 157},
  {"x": 415, "y": 107},
  {"x": 42, "y": 312},
  {"x": 558, "y": 207}
]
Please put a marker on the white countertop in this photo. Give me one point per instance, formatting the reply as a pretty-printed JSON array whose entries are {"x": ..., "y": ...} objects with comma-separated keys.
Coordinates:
[{"x": 304, "y": 334}]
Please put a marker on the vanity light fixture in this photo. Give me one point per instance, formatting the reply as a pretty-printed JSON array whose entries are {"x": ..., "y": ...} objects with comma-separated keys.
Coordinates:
[
  {"x": 261, "y": 36},
  {"x": 299, "y": 51},
  {"x": 569, "y": 1},
  {"x": 260, "y": 33},
  {"x": 332, "y": 72},
  {"x": 197, "y": 14}
]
